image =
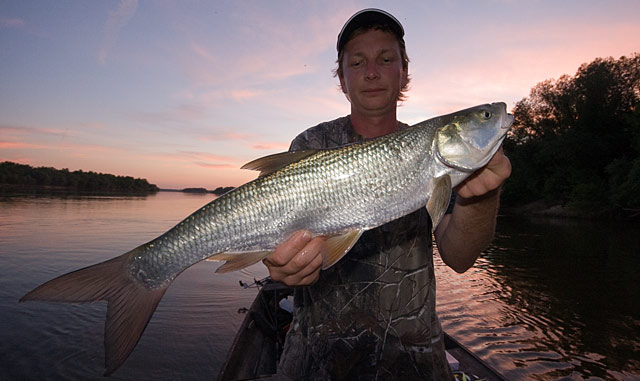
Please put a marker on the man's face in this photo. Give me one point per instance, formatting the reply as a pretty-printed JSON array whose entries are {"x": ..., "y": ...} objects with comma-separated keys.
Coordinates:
[{"x": 372, "y": 72}]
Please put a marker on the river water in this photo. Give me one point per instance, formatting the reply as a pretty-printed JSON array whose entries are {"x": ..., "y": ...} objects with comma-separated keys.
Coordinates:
[{"x": 549, "y": 299}]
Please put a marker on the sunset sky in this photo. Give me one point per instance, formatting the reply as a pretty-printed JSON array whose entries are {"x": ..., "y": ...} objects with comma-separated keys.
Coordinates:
[{"x": 183, "y": 93}]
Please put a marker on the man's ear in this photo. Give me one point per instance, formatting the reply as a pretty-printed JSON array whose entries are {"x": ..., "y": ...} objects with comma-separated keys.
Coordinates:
[
  {"x": 342, "y": 85},
  {"x": 405, "y": 77},
  {"x": 344, "y": 88}
]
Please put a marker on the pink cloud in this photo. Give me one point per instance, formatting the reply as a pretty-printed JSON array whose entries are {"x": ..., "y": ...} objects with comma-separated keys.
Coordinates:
[
  {"x": 19, "y": 160},
  {"x": 238, "y": 136},
  {"x": 94, "y": 126},
  {"x": 200, "y": 159},
  {"x": 244, "y": 94},
  {"x": 228, "y": 136},
  {"x": 270, "y": 146},
  {"x": 18, "y": 145},
  {"x": 11, "y": 22},
  {"x": 204, "y": 156},
  {"x": 28, "y": 130},
  {"x": 68, "y": 148},
  {"x": 215, "y": 165},
  {"x": 181, "y": 113},
  {"x": 117, "y": 19}
]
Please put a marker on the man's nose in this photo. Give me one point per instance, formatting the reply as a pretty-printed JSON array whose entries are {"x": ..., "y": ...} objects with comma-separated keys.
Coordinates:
[{"x": 372, "y": 71}]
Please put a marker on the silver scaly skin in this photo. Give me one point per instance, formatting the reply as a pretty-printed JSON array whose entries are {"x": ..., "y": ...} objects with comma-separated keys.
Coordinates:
[
  {"x": 331, "y": 192},
  {"x": 337, "y": 193}
]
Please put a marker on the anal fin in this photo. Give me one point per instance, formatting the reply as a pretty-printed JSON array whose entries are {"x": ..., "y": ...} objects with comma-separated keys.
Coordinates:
[
  {"x": 338, "y": 246},
  {"x": 237, "y": 261}
]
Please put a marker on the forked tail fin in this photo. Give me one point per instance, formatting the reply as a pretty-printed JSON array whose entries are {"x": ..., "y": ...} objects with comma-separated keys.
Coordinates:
[{"x": 129, "y": 303}]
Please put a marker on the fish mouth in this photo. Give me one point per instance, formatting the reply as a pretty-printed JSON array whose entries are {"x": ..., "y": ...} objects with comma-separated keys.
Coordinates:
[{"x": 507, "y": 121}]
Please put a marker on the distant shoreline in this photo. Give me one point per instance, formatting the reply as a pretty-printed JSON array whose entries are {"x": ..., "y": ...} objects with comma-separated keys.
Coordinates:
[
  {"x": 218, "y": 191},
  {"x": 542, "y": 209},
  {"x": 30, "y": 189},
  {"x": 22, "y": 177},
  {"x": 21, "y": 189},
  {"x": 18, "y": 178}
]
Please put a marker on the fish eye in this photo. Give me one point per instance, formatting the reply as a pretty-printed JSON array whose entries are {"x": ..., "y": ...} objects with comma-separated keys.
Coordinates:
[{"x": 485, "y": 114}]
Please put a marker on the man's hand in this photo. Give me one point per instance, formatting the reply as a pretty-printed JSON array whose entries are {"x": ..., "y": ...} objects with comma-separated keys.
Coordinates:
[
  {"x": 486, "y": 179},
  {"x": 297, "y": 261}
]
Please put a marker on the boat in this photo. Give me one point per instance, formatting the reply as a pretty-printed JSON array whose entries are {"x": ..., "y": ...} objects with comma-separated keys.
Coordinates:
[{"x": 256, "y": 349}]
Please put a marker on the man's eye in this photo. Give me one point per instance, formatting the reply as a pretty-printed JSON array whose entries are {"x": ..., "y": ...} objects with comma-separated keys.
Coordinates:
[{"x": 387, "y": 60}]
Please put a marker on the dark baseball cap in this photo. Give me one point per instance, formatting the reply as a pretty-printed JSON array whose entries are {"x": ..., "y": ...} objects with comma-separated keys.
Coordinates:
[{"x": 368, "y": 17}]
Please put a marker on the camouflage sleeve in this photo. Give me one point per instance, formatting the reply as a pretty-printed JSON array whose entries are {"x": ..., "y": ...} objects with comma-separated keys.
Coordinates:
[
  {"x": 300, "y": 142},
  {"x": 329, "y": 134}
]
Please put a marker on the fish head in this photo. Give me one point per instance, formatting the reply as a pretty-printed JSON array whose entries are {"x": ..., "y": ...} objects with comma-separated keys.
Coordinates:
[{"x": 469, "y": 138}]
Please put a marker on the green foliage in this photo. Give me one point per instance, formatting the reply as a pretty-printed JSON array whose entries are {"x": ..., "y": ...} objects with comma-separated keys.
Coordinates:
[
  {"x": 576, "y": 140},
  {"x": 14, "y": 174}
]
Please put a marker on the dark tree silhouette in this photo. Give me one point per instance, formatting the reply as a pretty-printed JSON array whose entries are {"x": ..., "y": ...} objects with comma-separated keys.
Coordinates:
[
  {"x": 13, "y": 174},
  {"x": 576, "y": 140}
]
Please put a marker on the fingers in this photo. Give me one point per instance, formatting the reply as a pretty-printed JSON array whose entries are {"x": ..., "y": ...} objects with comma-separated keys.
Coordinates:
[
  {"x": 488, "y": 178},
  {"x": 297, "y": 261},
  {"x": 288, "y": 249},
  {"x": 500, "y": 165}
]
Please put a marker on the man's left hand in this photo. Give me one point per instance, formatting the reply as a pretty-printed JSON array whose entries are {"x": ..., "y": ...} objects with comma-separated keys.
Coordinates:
[{"x": 488, "y": 178}]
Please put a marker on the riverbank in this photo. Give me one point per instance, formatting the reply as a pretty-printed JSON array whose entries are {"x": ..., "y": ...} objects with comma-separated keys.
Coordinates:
[
  {"x": 218, "y": 191},
  {"x": 541, "y": 208},
  {"x": 23, "y": 177},
  {"x": 51, "y": 190},
  {"x": 39, "y": 190}
]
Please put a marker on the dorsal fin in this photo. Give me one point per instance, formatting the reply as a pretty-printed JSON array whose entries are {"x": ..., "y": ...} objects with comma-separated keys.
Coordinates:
[{"x": 271, "y": 163}]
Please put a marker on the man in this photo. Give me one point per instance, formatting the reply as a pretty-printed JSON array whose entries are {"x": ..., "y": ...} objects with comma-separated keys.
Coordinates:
[{"x": 372, "y": 315}]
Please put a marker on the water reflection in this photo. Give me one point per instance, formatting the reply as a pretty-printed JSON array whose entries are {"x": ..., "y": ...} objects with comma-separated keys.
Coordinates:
[
  {"x": 42, "y": 237},
  {"x": 551, "y": 298}
]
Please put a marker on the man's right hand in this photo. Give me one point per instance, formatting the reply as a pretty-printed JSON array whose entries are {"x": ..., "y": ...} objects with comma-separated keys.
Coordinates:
[{"x": 297, "y": 261}]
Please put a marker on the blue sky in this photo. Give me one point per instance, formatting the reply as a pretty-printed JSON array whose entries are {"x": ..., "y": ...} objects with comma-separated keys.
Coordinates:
[{"x": 183, "y": 93}]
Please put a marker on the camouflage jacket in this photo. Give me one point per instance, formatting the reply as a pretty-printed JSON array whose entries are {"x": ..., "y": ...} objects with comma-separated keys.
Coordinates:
[{"x": 372, "y": 315}]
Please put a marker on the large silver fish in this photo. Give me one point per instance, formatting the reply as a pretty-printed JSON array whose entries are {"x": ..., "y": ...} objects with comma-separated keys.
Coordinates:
[{"x": 338, "y": 193}]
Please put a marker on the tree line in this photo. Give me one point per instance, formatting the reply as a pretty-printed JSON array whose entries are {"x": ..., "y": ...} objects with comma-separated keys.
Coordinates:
[
  {"x": 14, "y": 175},
  {"x": 218, "y": 191},
  {"x": 576, "y": 140}
]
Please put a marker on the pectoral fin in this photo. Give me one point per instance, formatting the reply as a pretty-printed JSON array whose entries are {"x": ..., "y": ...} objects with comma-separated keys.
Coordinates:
[
  {"x": 237, "y": 261},
  {"x": 439, "y": 200},
  {"x": 339, "y": 245},
  {"x": 272, "y": 163}
]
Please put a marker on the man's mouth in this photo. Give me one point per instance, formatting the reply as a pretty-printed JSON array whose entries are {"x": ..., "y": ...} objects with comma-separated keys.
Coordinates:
[{"x": 373, "y": 91}]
